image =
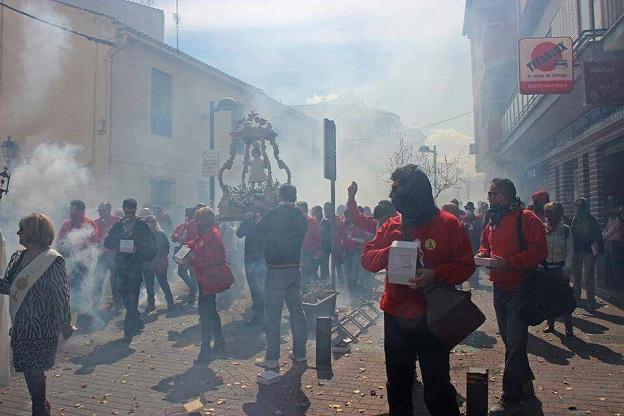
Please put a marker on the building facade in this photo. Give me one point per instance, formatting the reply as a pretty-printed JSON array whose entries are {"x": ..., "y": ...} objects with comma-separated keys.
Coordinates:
[
  {"x": 557, "y": 142},
  {"x": 138, "y": 109}
]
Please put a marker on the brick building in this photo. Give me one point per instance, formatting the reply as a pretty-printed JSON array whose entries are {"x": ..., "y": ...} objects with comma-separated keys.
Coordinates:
[{"x": 556, "y": 142}]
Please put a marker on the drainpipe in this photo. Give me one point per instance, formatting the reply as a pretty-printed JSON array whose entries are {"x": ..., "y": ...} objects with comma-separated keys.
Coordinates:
[{"x": 121, "y": 43}]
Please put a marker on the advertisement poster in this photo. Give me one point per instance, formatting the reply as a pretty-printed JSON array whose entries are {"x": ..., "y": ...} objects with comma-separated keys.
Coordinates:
[{"x": 546, "y": 66}]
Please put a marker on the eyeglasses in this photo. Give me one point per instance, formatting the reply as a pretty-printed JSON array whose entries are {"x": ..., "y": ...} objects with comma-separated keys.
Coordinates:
[{"x": 493, "y": 193}]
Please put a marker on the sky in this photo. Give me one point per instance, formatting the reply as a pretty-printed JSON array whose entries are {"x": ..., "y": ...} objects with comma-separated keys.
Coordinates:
[{"x": 404, "y": 56}]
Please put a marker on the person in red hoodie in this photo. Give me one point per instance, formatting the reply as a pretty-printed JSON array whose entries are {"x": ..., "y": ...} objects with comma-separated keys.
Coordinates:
[
  {"x": 381, "y": 213},
  {"x": 447, "y": 259},
  {"x": 75, "y": 239},
  {"x": 183, "y": 233},
  {"x": 207, "y": 260},
  {"x": 311, "y": 247},
  {"x": 500, "y": 241}
]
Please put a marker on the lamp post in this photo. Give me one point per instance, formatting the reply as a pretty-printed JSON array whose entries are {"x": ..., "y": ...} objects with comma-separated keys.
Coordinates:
[
  {"x": 427, "y": 149},
  {"x": 9, "y": 151},
  {"x": 224, "y": 104}
]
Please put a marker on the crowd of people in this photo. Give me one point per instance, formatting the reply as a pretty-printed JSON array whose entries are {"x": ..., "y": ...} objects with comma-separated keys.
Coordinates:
[{"x": 291, "y": 249}]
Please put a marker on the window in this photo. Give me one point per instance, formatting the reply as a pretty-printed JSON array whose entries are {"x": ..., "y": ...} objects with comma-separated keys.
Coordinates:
[
  {"x": 162, "y": 191},
  {"x": 161, "y": 103}
]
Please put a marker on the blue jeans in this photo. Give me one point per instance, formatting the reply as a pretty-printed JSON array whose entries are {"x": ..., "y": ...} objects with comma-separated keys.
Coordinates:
[
  {"x": 255, "y": 273},
  {"x": 284, "y": 285},
  {"x": 515, "y": 334}
]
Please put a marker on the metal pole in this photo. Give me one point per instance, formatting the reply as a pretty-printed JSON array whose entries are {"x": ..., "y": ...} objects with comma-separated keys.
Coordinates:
[
  {"x": 477, "y": 392},
  {"x": 435, "y": 168},
  {"x": 333, "y": 234},
  {"x": 212, "y": 145},
  {"x": 323, "y": 343}
]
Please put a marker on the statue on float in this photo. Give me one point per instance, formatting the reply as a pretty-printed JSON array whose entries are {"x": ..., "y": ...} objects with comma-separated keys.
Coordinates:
[{"x": 257, "y": 184}]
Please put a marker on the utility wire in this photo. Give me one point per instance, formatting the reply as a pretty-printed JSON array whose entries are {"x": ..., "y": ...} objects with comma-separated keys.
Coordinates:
[
  {"x": 444, "y": 121},
  {"x": 90, "y": 38}
]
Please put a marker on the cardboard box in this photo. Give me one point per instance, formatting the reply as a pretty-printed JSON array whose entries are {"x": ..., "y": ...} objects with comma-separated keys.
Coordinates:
[
  {"x": 269, "y": 377},
  {"x": 403, "y": 261},
  {"x": 483, "y": 261},
  {"x": 186, "y": 409},
  {"x": 181, "y": 254}
]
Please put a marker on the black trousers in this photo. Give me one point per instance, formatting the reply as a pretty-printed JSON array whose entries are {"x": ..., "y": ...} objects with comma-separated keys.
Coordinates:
[
  {"x": 36, "y": 382},
  {"x": 404, "y": 341},
  {"x": 148, "y": 278},
  {"x": 209, "y": 320},
  {"x": 130, "y": 278}
]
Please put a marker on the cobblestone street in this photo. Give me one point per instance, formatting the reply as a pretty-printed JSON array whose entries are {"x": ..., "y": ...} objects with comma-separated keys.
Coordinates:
[{"x": 98, "y": 375}]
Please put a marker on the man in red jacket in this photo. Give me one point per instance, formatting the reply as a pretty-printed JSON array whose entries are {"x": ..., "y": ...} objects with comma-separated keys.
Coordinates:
[
  {"x": 447, "y": 259},
  {"x": 500, "y": 241}
]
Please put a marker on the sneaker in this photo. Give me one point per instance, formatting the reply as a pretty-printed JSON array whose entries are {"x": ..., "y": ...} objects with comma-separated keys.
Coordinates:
[
  {"x": 503, "y": 408},
  {"x": 300, "y": 360},
  {"x": 268, "y": 364}
]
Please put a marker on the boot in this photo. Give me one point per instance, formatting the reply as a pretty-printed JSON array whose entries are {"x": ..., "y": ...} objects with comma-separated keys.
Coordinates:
[
  {"x": 531, "y": 405},
  {"x": 506, "y": 408}
]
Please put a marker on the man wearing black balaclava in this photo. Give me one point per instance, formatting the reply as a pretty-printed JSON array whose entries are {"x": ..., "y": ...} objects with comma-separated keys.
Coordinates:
[{"x": 446, "y": 258}]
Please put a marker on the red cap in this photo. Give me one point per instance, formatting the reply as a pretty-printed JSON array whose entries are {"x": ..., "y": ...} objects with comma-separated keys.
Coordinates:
[{"x": 541, "y": 196}]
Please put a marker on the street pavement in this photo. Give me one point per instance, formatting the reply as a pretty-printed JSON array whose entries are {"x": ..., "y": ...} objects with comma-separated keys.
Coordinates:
[{"x": 98, "y": 375}]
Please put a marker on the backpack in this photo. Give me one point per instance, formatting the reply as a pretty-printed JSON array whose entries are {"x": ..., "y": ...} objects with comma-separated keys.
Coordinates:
[{"x": 544, "y": 294}]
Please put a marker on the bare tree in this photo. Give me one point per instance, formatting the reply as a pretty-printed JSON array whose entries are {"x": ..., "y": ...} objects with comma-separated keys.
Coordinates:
[{"x": 448, "y": 171}]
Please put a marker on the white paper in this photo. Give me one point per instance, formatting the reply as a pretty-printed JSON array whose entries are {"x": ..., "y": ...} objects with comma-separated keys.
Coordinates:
[{"x": 126, "y": 246}]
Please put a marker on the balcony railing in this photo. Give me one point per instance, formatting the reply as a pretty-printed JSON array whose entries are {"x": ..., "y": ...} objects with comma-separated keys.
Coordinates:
[
  {"x": 519, "y": 106},
  {"x": 581, "y": 128}
]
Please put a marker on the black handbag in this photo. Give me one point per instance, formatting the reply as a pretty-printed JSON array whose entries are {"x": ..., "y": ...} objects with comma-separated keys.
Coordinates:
[
  {"x": 544, "y": 294},
  {"x": 451, "y": 314}
]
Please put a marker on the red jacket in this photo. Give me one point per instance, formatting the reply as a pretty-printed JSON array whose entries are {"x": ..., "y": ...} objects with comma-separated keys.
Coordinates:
[
  {"x": 208, "y": 261},
  {"x": 353, "y": 238},
  {"x": 446, "y": 251},
  {"x": 312, "y": 239},
  {"x": 68, "y": 226},
  {"x": 503, "y": 241},
  {"x": 366, "y": 223},
  {"x": 185, "y": 232}
]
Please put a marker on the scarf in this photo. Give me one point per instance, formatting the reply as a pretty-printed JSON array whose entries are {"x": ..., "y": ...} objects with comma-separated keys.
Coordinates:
[
  {"x": 127, "y": 223},
  {"x": 496, "y": 213}
]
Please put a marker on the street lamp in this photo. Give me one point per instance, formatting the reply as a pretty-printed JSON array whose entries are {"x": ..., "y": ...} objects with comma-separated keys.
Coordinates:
[
  {"x": 9, "y": 151},
  {"x": 427, "y": 149},
  {"x": 224, "y": 104}
]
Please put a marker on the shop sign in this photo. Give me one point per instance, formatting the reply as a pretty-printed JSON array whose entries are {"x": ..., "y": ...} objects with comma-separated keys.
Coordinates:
[
  {"x": 546, "y": 65},
  {"x": 604, "y": 82}
]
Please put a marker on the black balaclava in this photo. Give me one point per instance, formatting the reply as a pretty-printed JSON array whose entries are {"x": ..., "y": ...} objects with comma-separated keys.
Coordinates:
[{"x": 414, "y": 199}]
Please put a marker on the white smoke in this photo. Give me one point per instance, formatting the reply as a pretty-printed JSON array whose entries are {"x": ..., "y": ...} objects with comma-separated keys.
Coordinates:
[
  {"x": 42, "y": 50},
  {"x": 45, "y": 182}
]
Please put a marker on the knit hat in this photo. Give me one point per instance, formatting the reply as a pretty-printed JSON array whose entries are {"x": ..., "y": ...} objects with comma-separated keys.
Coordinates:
[
  {"x": 383, "y": 209},
  {"x": 541, "y": 196}
]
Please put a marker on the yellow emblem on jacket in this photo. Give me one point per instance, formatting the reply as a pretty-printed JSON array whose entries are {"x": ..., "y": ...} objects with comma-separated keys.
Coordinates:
[{"x": 430, "y": 244}]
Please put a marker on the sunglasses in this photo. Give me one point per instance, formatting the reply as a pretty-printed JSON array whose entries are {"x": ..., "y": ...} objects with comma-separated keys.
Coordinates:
[{"x": 493, "y": 193}]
